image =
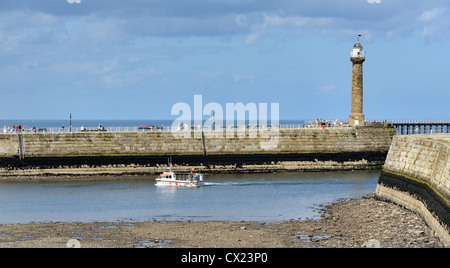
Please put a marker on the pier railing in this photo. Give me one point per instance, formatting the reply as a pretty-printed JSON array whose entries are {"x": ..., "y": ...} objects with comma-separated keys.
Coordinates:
[
  {"x": 409, "y": 127},
  {"x": 402, "y": 127},
  {"x": 170, "y": 128}
]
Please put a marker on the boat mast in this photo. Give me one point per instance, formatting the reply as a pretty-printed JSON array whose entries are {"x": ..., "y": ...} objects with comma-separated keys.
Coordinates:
[{"x": 170, "y": 163}]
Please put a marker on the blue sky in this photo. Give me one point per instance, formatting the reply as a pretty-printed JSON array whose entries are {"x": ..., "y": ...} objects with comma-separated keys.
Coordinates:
[{"x": 135, "y": 59}]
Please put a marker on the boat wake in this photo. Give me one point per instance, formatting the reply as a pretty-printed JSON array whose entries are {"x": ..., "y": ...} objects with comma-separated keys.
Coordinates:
[{"x": 251, "y": 183}]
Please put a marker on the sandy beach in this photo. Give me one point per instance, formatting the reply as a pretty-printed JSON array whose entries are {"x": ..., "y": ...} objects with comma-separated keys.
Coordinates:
[{"x": 353, "y": 223}]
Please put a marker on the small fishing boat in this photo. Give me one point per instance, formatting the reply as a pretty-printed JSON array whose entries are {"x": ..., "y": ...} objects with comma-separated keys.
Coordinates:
[{"x": 170, "y": 178}]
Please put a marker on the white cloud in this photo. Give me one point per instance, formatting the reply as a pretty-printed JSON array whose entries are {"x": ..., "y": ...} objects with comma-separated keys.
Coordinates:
[
  {"x": 433, "y": 14},
  {"x": 241, "y": 20},
  {"x": 251, "y": 39},
  {"x": 240, "y": 77},
  {"x": 124, "y": 78},
  {"x": 294, "y": 21},
  {"x": 428, "y": 32},
  {"x": 213, "y": 76},
  {"x": 434, "y": 24},
  {"x": 224, "y": 17},
  {"x": 326, "y": 89}
]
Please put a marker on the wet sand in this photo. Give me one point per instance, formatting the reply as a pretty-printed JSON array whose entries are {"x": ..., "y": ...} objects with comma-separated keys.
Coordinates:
[{"x": 351, "y": 223}]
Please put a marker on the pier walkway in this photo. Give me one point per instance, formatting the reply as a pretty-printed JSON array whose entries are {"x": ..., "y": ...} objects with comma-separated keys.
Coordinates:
[{"x": 402, "y": 127}]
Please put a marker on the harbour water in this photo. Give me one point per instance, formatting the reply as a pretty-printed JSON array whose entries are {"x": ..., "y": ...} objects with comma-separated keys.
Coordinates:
[{"x": 271, "y": 197}]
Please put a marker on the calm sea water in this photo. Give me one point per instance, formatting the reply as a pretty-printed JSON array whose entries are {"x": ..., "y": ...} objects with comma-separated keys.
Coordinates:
[{"x": 250, "y": 197}]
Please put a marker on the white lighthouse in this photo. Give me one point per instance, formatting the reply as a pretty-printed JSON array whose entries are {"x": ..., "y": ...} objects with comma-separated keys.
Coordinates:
[
  {"x": 357, "y": 56},
  {"x": 357, "y": 52}
]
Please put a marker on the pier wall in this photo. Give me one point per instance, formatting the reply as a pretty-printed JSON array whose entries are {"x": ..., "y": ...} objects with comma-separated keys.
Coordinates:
[
  {"x": 243, "y": 151},
  {"x": 416, "y": 175}
]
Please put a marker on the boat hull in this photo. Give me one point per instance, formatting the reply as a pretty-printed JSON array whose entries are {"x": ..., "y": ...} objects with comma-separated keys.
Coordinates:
[{"x": 178, "y": 183}]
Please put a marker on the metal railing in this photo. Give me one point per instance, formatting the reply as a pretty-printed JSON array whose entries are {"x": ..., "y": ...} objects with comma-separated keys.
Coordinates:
[
  {"x": 172, "y": 128},
  {"x": 308, "y": 124},
  {"x": 422, "y": 122}
]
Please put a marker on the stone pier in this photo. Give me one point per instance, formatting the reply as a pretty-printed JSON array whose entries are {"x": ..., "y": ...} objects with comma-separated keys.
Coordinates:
[
  {"x": 305, "y": 149},
  {"x": 416, "y": 175}
]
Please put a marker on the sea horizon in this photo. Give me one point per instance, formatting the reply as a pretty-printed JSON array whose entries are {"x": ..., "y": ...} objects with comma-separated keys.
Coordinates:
[{"x": 109, "y": 122}]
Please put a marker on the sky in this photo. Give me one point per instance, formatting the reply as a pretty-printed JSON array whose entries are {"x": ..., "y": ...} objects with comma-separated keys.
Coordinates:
[{"x": 135, "y": 59}]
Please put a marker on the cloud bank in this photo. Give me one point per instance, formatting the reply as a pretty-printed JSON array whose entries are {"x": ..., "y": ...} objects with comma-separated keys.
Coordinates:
[
  {"x": 97, "y": 48},
  {"x": 172, "y": 18}
]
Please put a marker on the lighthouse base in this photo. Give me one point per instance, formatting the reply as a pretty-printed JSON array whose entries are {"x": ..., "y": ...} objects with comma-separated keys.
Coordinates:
[{"x": 356, "y": 119}]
